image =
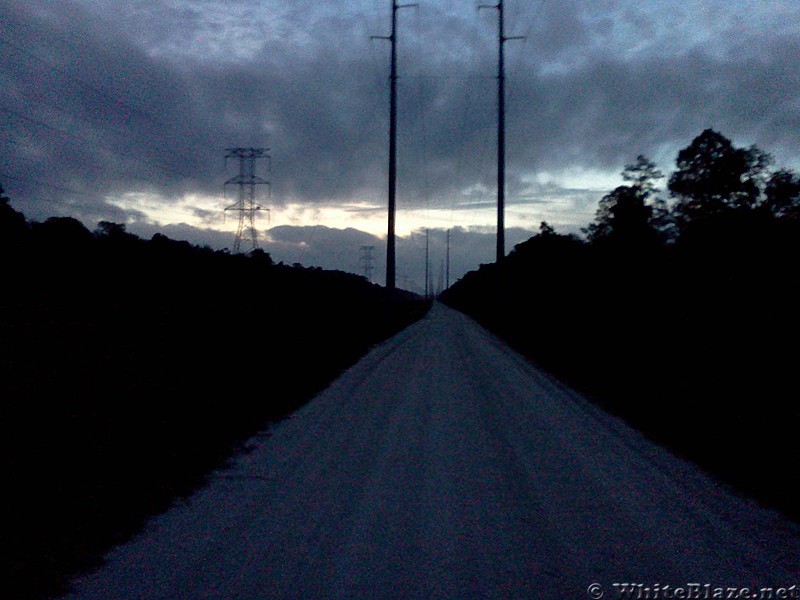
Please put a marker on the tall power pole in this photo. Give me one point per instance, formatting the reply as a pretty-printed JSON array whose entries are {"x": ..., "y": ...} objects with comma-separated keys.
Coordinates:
[
  {"x": 390, "y": 238},
  {"x": 501, "y": 128},
  {"x": 366, "y": 261},
  {"x": 246, "y": 205}
]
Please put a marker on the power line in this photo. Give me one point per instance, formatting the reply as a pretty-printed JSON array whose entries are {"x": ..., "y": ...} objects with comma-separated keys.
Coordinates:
[
  {"x": 173, "y": 211},
  {"x": 115, "y": 100},
  {"x": 142, "y": 134},
  {"x": 84, "y": 138},
  {"x": 27, "y": 179}
]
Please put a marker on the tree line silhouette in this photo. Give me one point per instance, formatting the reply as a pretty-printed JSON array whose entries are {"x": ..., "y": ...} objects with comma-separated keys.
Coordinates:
[
  {"x": 130, "y": 368},
  {"x": 678, "y": 314}
]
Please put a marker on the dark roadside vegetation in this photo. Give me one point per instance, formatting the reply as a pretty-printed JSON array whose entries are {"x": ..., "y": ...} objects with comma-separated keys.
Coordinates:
[
  {"x": 131, "y": 368},
  {"x": 679, "y": 315}
]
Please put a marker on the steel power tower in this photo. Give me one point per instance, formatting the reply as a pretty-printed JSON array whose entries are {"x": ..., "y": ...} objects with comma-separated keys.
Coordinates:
[
  {"x": 390, "y": 237},
  {"x": 365, "y": 260},
  {"x": 501, "y": 128},
  {"x": 246, "y": 205}
]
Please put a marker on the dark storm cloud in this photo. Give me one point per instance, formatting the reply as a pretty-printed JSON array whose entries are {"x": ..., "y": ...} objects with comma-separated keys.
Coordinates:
[
  {"x": 104, "y": 98},
  {"x": 86, "y": 113},
  {"x": 608, "y": 111}
]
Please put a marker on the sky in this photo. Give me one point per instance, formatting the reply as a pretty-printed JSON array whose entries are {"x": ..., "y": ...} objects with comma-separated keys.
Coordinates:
[{"x": 123, "y": 111}]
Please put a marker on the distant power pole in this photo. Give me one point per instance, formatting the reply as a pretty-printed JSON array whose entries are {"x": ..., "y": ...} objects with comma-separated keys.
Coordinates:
[
  {"x": 447, "y": 270},
  {"x": 501, "y": 129},
  {"x": 440, "y": 285},
  {"x": 246, "y": 204},
  {"x": 427, "y": 262},
  {"x": 390, "y": 238},
  {"x": 365, "y": 260}
]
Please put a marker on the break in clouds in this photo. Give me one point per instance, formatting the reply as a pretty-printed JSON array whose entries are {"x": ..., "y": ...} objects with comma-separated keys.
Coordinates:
[{"x": 111, "y": 101}]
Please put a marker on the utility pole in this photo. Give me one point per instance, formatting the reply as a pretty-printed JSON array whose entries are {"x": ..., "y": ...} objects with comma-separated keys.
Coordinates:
[
  {"x": 366, "y": 261},
  {"x": 390, "y": 238},
  {"x": 246, "y": 204},
  {"x": 447, "y": 270},
  {"x": 427, "y": 262},
  {"x": 501, "y": 128},
  {"x": 440, "y": 285}
]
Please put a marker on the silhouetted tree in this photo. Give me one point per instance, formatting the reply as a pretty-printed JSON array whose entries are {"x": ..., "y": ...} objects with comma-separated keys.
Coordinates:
[
  {"x": 112, "y": 230},
  {"x": 63, "y": 231},
  {"x": 12, "y": 223},
  {"x": 643, "y": 175},
  {"x": 547, "y": 246},
  {"x": 260, "y": 256},
  {"x": 546, "y": 229},
  {"x": 782, "y": 194},
  {"x": 714, "y": 177},
  {"x": 621, "y": 214},
  {"x": 624, "y": 216}
]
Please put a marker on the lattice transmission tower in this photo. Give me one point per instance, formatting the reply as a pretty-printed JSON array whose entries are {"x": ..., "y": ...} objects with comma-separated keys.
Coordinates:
[
  {"x": 365, "y": 260},
  {"x": 246, "y": 205}
]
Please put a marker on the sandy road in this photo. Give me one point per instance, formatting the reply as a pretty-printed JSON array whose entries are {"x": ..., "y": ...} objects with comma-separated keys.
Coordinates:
[{"x": 443, "y": 465}]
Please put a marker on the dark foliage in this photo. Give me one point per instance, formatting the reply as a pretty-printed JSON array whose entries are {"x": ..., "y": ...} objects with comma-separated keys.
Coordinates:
[
  {"x": 695, "y": 341},
  {"x": 131, "y": 368},
  {"x": 13, "y": 226},
  {"x": 782, "y": 195},
  {"x": 626, "y": 216},
  {"x": 713, "y": 176}
]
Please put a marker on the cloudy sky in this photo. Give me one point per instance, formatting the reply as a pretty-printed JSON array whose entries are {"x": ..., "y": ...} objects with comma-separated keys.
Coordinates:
[{"x": 122, "y": 110}]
